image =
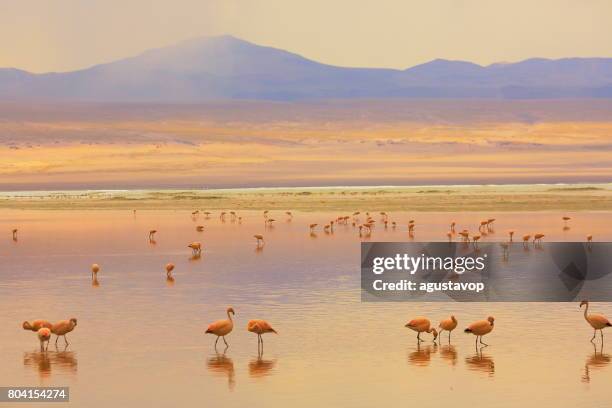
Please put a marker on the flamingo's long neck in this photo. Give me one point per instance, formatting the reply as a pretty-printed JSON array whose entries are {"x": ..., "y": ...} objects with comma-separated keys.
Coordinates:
[
  {"x": 586, "y": 309},
  {"x": 229, "y": 316}
]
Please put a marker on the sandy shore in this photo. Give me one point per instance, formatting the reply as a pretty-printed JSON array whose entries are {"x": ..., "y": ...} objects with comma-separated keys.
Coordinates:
[{"x": 592, "y": 197}]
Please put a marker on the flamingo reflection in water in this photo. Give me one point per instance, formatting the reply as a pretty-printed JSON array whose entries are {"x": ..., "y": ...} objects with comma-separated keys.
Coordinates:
[
  {"x": 260, "y": 367},
  {"x": 222, "y": 366},
  {"x": 480, "y": 362},
  {"x": 421, "y": 357},
  {"x": 596, "y": 361},
  {"x": 46, "y": 362}
]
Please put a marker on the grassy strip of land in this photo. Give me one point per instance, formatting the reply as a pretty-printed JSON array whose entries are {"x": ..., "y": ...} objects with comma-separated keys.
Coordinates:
[{"x": 594, "y": 197}]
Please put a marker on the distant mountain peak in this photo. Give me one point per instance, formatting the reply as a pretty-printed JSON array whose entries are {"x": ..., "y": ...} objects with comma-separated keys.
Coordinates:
[{"x": 227, "y": 67}]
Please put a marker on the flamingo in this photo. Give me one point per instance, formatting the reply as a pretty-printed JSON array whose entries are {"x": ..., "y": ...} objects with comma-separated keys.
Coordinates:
[
  {"x": 526, "y": 239},
  {"x": 62, "y": 328},
  {"x": 312, "y": 227},
  {"x": 15, "y": 230},
  {"x": 44, "y": 335},
  {"x": 260, "y": 239},
  {"x": 452, "y": 226},
  {"x": 511, "y": 234},
  {"x": 260, "y": 327},
  {"x": 289, "y": 214},
  {"x": 95, "y": 268},
  {"x": 537, "y": 238},
  {"x": 566, "y": 219},
  {"x": 589, "y": 238},
  {"x": 36, "y": 325},
  {"x": 597, "y": 321},
  {"x": 200, "y": 228},
  {"x": 480, "y": 328},
  {"x": 221, "y": 328},
  {"x": 449, "y": 325},
  {"x": 196, "y": 248},
  {"x": 420, "y": 325},
  {"x": 169, "y": 269},
  {"x": 152, "y": 235},
  {"x": 475, "y": 239}
]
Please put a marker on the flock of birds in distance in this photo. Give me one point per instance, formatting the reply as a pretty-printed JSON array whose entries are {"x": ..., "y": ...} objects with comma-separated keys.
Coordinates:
[{"x": 221, "y": 328}]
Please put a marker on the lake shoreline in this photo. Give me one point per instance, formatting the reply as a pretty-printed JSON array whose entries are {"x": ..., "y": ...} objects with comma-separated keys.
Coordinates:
[{"x": 448, "y": 198}]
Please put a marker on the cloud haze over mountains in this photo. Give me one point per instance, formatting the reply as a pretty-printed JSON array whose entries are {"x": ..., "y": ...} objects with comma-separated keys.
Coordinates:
[{"x": 225, "y": 68}]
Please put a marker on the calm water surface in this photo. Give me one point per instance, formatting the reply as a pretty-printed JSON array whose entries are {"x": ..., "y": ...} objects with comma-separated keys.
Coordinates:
[{"x": 140, "y": 339}]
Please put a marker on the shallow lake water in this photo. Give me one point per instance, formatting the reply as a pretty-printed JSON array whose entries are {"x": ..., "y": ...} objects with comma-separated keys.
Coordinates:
[{"x": 140, "y": 339}]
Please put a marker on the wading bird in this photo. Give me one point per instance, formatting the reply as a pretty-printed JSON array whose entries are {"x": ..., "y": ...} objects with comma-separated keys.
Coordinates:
[
  {"x": 449, "y": 325},
  {"x": 169, "y": 269},
  {"x": 95, "y": 268},
  {"x": 260, "y": 239},
  {"x": 152, "y": 235},
  {"x": 422, "y": 325},
  {"x": 44, "y": 335},
  {"x": 15, "y": 234},
  {"x": 62, "y": 328},
  {"x": 537, "y": 238},
  {"x": 597, "y": 321},
  {"x": 36, "y": 325},
  {"x": 196, "y": 248},
  {"x": 200, "y": 228},
  {"x": 511, "y": 234},
  {"x": 475, "y": 240},
  {"x": 260, "y": 327},
  {"x": 452, "y": 226},
  {"x": 526, "y": 239},
  {"x": 222, "y": 328},
  {"x": 565, "y": 220},
  {"x": 480, "y": 328},
  {"x": 312, "y": 227}
]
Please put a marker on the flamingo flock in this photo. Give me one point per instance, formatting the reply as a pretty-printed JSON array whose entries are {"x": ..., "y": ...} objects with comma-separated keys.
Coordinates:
[{"x": 222, "y": 328}]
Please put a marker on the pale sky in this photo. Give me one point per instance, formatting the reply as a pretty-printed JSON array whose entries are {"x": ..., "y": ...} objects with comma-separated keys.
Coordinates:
[{"x": 62, "y": 35}]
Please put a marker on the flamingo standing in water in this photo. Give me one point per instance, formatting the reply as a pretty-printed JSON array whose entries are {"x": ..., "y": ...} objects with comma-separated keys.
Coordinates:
[
  {"x": 449, "y": 325},
  {"x": 260, "y": 239},
  {"x": 565, "y": 220},
  {"x": 36, "y": 325},
  {"x": 452, "y": 226},
  {"x": 44, "y": 335},
  {"x": 196, "y": 248},
  {"x": 15, "y": 234},
  {"x": 260, "y": 327},
  {"x": 312, "y": 227},
  {"x": 422, "y": 325},
  {"x": 95, "y": 268},
  {"x": 537, "y": 238},
  {"x": 169, "y": 269},
  {"x": 480, "y": 328},
  {"x": 221, "y": 328},
  {"x": 200, "y": 228},
  {"x": 511, "y": 234},
  {"x": 597, "y": 321},
  {"x": 152, "y": 235},
  {"x": 62, "y": 328},
  {"x": 526, "y": 239}
]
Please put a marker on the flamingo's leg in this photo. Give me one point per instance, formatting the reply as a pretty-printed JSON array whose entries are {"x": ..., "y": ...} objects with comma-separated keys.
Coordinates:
[{"x": 225, "y": 341}]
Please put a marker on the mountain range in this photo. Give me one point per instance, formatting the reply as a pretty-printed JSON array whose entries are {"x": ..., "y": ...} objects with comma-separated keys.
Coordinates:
[{"x": 227, "y": 68}]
